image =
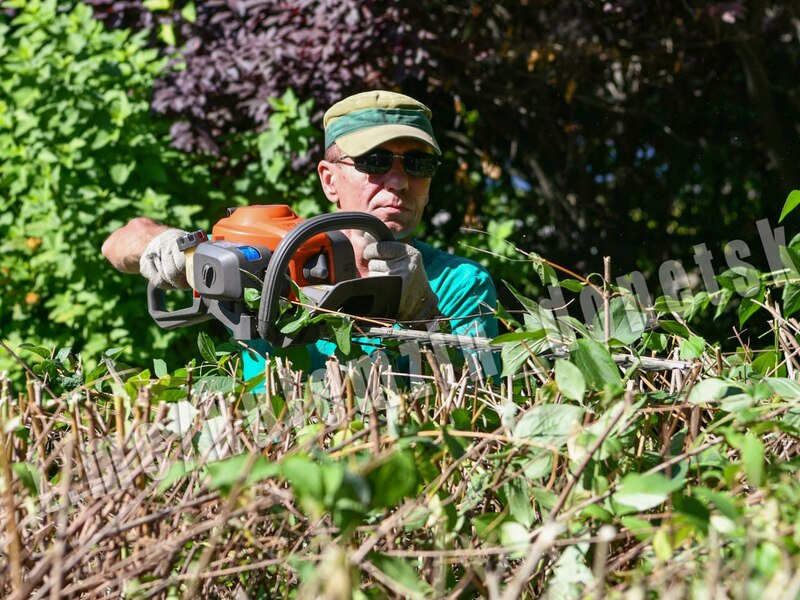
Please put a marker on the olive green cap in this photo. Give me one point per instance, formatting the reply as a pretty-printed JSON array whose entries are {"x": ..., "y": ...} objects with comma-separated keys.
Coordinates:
[{"x": 363, "y": 121}]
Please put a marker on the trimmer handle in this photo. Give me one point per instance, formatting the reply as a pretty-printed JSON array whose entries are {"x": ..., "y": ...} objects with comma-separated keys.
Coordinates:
[
  {"x": 275, "y": 275},
  {"x": 172, "y": 319}
]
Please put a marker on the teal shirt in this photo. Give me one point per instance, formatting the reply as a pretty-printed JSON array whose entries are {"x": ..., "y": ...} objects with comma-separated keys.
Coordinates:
[{"x": 467, "y": 298}]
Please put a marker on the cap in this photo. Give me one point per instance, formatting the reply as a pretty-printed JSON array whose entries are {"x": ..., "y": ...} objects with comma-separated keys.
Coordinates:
[{"x": 363, "y": 121}]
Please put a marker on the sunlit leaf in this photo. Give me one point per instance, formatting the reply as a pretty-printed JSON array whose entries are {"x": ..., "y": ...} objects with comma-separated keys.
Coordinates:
[
  {"x": 753, "y": 459},
  {"x": 792, "y": 200},
  {"x": 402, "y": 572},
  {"x": 548, "y": 423},
  {"x": 569, "y": 380},
  {"x": 640, "y": 492},
  {"x": 708, "y": 390},
  {"x": 595, "y": 362},
  {"x": 206, "y": 346}
]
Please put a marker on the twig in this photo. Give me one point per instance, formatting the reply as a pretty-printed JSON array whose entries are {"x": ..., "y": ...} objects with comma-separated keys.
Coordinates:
[
  {"x": 14, "y": 542},
  {"x": 607, "y": 299},
  {"x": 547, "y": 536}
]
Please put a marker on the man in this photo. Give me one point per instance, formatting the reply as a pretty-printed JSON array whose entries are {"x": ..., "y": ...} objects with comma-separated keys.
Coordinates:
[{"x": 380, "y": 156}]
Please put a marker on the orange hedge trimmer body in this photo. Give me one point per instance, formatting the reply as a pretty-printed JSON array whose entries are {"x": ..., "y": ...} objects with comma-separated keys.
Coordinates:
[{"x": 265, "y": 246}]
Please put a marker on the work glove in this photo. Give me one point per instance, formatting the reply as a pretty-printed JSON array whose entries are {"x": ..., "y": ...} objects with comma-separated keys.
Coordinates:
[
  {"x": 163, "y": 264},
  {"x": 417, "y": 300}
]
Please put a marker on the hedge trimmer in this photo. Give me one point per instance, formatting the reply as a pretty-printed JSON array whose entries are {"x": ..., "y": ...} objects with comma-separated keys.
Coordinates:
[{"x": 310, "y": 262}]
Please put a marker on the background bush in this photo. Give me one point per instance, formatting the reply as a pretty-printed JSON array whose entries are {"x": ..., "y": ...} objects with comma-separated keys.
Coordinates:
[{"x": 82, "y": 153}]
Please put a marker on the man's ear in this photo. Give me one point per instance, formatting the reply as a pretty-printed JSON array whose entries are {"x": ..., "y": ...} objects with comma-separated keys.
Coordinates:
[{"x": 327, "y": 177}]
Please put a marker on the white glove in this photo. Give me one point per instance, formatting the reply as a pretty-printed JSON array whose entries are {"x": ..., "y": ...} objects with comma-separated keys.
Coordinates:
[
  {"x": 162, "y": 263},
  {"x": 417, "y": 300}
]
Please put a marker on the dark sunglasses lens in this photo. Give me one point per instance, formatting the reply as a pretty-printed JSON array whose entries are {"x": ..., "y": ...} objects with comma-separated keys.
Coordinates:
[
  {"x": 420, "y": 164},
  {"x": 416, "y": 164},
  {"x": 374, "y": 163}
]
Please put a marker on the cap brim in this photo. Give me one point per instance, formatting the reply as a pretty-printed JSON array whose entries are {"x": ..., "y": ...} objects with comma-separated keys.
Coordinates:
[{"x": 364, "y": 140}]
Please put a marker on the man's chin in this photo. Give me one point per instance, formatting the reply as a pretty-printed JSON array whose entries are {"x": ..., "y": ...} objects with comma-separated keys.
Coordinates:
[{"x": 400, "y": 231}]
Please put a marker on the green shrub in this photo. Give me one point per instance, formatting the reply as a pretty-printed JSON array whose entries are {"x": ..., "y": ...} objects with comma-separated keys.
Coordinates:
[{"x": 81, "y": 154}]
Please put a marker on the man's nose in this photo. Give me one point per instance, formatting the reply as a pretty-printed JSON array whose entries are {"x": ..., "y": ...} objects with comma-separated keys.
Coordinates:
[{"x": 396, "y": 178}]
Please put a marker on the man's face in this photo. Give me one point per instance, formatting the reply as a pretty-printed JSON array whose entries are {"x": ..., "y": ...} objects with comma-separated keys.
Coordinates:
[{"x": 394, "y": 197}]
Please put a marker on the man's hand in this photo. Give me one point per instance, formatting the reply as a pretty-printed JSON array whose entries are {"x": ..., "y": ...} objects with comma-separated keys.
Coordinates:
[
  {"x": 124, "y": 248},
  {"x": 146, "y": 247},
  {"x": 417, "y": 300}
]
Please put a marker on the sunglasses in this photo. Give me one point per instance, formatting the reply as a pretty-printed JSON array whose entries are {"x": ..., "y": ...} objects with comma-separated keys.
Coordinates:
[{"x": 378, "y": 162}]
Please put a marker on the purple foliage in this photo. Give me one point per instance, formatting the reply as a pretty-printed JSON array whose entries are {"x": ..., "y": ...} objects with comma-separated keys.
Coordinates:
[{"x": 237, "y": 54}]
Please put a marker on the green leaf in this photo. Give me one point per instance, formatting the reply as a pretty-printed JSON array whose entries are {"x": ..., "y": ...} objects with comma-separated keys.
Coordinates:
[
  {"x": 298, "y": 356},
  {"x": 792, "y": 200},
  {"x": 768, "y": 558},
  {"x": 767, "y": 361},
  {"x": 573, "y": 285},
  {"x": 306, "y": 478},
  {"x": 454, "y": 446},
  {"x": 121, "y": 171},
  {"x": 571, "y": 577},
  {"x": 545, "y": 272},
  {"x": 206, "y": 346},
  {"x": 708, "y": 391},
  {"x": 694, "y": 347},
  {"x": 569, "y": 380},
  {"x": 343, "y": 331},
  {"x": 787, "y": 389},
  {"x": 548, "y": 423},
  {"x": 519, "y": 501},
  {"x": 628, "y": 321},
  {"x": 790, "y": 258},
  {"x": 38, "y": 350},
  {"x": 189, "y": 12},
  {"x": 753, "y": 459},
  {"x": 332, "y": 477},
  {"x": 791, "y": 299},
  {"x": 181, "y": 418},
  {"x": 655, "y": 341},
  {"x": 519, "y": 335},
  {"x": 416, "y": 519},
  {"x": 514, "y": 356},
  {"x": 177, "y": 471},
  {"x": 159, "y": 368},
  {"x": 641, "y": 529},
  {"x": 225, "y": 473},
  {"x": 641, "y": 492},
  {"x": 740, "y": 279},
  {"x": 393, "y": 480},
  {"x": 662, "y": 546},
  {"x": 692, "y": 512},
  {"x": 514, "y": 534},
  {"x": 402, "y": 572},
  {"x": 29, "y": 476},
  {"x": 167, "y": 34},
  {"x": 724, "y": 502},
  {"x": 486, "y": 525},
  {"x": 252, "y": 297},
  {"x": 217, "y": 383},
  {"x": 156, "y": 5},
  {"x": 595, "y": 362},
  {"x": 675, "y": 328},
  {"x": 749, "y": 306},
  {"x": 531, "y": 306}
]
